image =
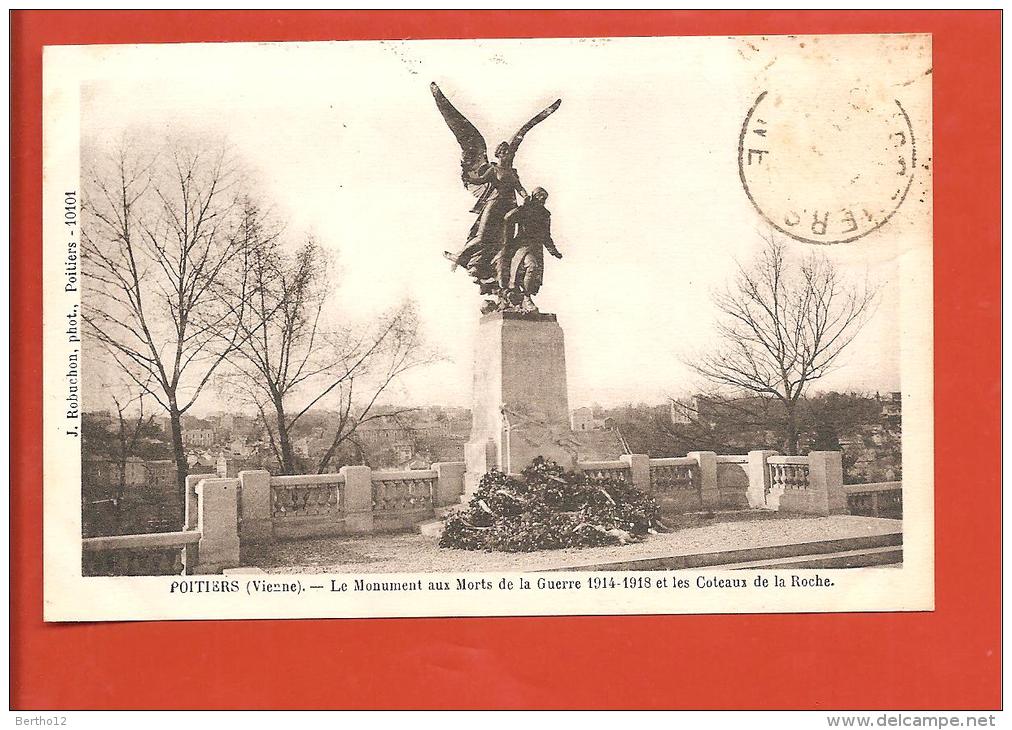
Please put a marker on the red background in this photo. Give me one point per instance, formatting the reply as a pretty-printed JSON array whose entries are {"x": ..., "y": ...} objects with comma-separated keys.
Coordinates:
[{"x": 947, "y": 659}]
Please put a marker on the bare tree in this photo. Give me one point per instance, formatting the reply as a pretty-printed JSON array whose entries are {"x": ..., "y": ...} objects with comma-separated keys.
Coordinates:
[
  {"x": 396, "y": 350},
  {"x": 718, "y": 421},
  {"x": 159, "y": 234},
  {"x": 288, "y": 362},
  {"x": 782, "y": 327},
  {"x": 129, "y": 430}
]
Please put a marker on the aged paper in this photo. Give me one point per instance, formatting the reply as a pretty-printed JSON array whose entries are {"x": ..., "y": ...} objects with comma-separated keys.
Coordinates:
[{"x": 670, "y": 169}]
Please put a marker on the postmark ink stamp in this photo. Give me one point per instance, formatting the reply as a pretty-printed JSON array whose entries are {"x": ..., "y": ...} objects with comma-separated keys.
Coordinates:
[{"x": 823, "y": 172}]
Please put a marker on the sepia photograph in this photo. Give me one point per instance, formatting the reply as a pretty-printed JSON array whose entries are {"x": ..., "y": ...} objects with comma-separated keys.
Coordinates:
[
  {"x": 488, "y": 327},
  {"x": 506, "y": 360}
]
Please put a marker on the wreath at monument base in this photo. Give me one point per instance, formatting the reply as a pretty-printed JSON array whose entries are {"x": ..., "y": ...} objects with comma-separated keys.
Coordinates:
[{"x": 548, "y": 508}]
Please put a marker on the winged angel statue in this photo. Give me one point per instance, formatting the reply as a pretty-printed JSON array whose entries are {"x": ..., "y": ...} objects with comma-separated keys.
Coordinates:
[{"x": 503, "y": 252}]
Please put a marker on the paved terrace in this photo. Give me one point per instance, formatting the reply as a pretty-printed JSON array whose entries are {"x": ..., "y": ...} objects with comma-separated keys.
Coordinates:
[{"x": 410, "y": 553}]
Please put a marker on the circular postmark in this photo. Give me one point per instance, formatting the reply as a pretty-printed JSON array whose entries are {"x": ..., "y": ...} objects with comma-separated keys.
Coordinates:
[{"x": 826, "y": 173}]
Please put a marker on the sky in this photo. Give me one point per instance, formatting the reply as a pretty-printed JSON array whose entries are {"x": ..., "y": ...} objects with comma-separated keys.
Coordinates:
[{"x": 640, "y": 161}]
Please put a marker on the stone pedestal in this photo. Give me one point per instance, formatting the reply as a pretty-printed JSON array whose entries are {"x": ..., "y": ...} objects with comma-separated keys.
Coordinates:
[
  {"x": 758, "y": 479},
  {"x": 218, "y": 524},
  {"x": 520, "y": 408}
]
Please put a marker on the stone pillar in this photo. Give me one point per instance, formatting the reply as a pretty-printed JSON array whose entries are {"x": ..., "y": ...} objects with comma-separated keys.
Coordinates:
[
  {"x": 217, "y": 521},
  {"x": 357, "y": 498},
  {"x": 709, "y": 494},
  {"x": 190, "y": 508},
  {"x": 825, "y": 478},
  {"x": 520, "y": 406},
  {"x": 480, "y": 456},
  {"x": 190, "y": 558},
  {"x": 257, "y": 522},
  {"x": 639, "y": 470},
  {"x": 449, "y": 483},
  {"x": 758, "y": 478}
]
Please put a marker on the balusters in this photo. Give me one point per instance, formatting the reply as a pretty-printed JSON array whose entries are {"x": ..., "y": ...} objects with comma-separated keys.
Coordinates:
[
  {"x": 778, "y": 476},
  {"x": 312, "y": 500},
  {"x": 788, "y": 476},
  {"x": 671, "y": 477},
  {"x": 402, "y": 494},
  {"x": 153, "y": 561},
  {"x": 602, "y": 474}
]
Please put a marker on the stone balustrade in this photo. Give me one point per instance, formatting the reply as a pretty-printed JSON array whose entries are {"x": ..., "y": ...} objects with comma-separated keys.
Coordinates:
[
  {"x": 299, "y": 506},
  {"x": 881, "y": 499},
  {"x": 258, "y": 507},
  {"x": 618, "y": 471},
  {"x": 785, "y": 473},
  {"x": 208, "y": 543},
  {"x": 159, "y": 553},
  {"x": 403, "y": 499},
  {"x": 673, "y": 474},
  {"x": 788, "y": 472},
  {"x": 403, "y": 491},
  {"x": 676, "y": 484},
  {"x": 810, "y": 484},
  {"x": 703, "y": 480},
  {"x": 300, "y": 498},
  {"x": 356, "y": 500}
]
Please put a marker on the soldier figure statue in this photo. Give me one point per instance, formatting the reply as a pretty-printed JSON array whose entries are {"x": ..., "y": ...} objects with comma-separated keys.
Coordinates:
[{"x": 521, "y": 263}]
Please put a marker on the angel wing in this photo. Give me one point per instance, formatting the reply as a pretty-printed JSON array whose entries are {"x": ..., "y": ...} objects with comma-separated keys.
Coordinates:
[
  {"x": 473, "y": 150},
  {"x": 537, "y": 119}
]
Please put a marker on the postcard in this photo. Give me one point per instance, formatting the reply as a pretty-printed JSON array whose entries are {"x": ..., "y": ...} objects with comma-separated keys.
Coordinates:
[{"x": 488, "y": 327}]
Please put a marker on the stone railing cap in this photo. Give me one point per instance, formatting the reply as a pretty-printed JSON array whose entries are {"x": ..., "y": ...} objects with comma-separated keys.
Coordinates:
[{"x": 179, "y": 539}]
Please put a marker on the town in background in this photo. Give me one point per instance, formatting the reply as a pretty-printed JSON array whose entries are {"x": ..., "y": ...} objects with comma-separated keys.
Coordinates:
[{"x": 129, "y": 476}]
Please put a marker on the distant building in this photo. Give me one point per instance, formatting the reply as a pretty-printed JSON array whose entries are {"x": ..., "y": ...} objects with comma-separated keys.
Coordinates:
[
  {"x": 403, "y": 451},
  {"x": 136, "y": 474},
  {"x": 243, "y": 425},
  {"x": 228, "y": 467},
  {"x": 311, "y": 447},
  {"x": 164, "y": 423},
  {"x": 382, "y": 431},
  {"x": 431, "y": 429},
  {"x": 160, "y": 473},
  {"x": 892, "y": 405},
  {"x": 97, "y": 470},
  {"x": 702, "y": 410},
  {"x": 203, "y": 464},
  {"x": 233, "y": 424},
  {"x": 198, "y": 437},
  {"x": 582, "y": 419},
  {"x": 104, "y": 471},
  {"x": 240, "y": 447},
  {"x": 683, "y": 411}
]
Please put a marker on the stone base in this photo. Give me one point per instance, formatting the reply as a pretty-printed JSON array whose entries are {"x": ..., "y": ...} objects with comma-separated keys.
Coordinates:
[
  {"x": 517, "y": 450},
  {"x": 520, "y": 407},
  {"x": 433, "y": 528},
  {"x": 479, "y": 457}
]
